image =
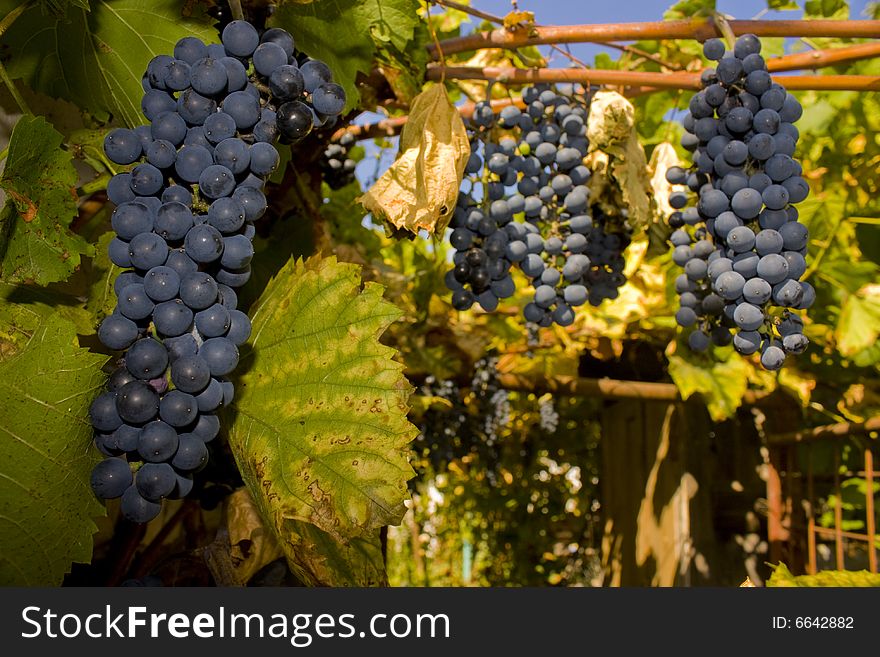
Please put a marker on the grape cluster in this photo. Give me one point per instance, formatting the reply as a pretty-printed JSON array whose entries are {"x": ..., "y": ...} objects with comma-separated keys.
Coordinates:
[
  {"x": 525, "y": 201},
  {"x": 741, "y": 245},
  {"x": 337, "y": 167},
  {"x": 470, "y": 424},
  {"x": 184, "y": 222}
]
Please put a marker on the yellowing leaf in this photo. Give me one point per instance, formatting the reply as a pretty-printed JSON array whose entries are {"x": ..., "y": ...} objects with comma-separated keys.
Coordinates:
[
  {"x": 722, "y": 384},
  {"x": 420, "y": 189},
  {"x": 517, "y": 20},
  {"x": 859, "y": 323},
  {"x": 611, "y": 130},
  {"x": 319, "y": 428},
  {"x": 783, "y": 577}
]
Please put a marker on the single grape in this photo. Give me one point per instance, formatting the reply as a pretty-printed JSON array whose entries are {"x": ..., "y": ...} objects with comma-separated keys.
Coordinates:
[
  {"x": 137, "y": 402},
  {"x": 178, "y": 408},
  {"x": 110, "y": 478}
]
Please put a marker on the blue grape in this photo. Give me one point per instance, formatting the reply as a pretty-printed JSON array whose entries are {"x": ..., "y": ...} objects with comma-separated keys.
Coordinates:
[
  {"x": 213, "y": 322},
  {"x": 137, "y": 403},
  {"x": 192, "y": 160},
  {"x": 136, "y": 508},
  {"x": 190, "y": 49},
  {"x": 191, "y": 373},
  {"x": 155, "y": 481},
  {"x": 194, "y": 108},
  {"x": 146, "y": 180},
  {"x": 220, "y": 354},
  {"x": 227, "y": 214},
  {"x": 161, "y": 154},
  {"x": 243, "y": 108},
  {"x": 219, "y": 126},
  {"x": 134, "y": 303},
  {"x": 172, "y": 318},
  {"x": 122, "y": 146},
  {"x": 130, "y": 219},
  {"x": 119, "y": 189},
  {"x": 177, "y": 77},
  {"x": 240, "y": 38},
  {"x": 110, "y": 478},
  {"x": 192, "y": 453},
  {"x": 315, "y": 73},
  {"x": 170, "y": 127},
  {"x": 103, "y": 413},
  {"x": 198, "y": 290},
  {"x": 161, "y": 283},
  {"x": 117, "y": 332},
  {"x": 146, "y": 359},
  {"x": 178, "y": 409},
  {"x": 155, "y": 103},
  {"x": 211, "y": 397},
  {"x": 203, "y": 243},
  {"x": 329, "y": 99},
  {"x": 216, "y": 181},
  {"x": 233, "y": 154},
  {"x": 173, "y": 221},
  {"x": 237, "y": 252},
  {"x": 208, "y": 76},
  {"x": 157, "y": 442},
  {"x": 264, "y": 158},
  {"x": 147, "y": 250}
]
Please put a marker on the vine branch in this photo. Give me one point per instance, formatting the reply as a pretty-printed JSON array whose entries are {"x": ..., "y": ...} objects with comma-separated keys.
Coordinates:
[
  {"x": 699, "y": 29},
  {"x": 512, "y": 75}
]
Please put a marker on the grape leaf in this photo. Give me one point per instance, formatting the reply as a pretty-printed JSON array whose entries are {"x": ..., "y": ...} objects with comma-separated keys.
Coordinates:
[
  {"x": 783, "y": 577},
  {"x": 97, "y": 58},
  {"x": 318, "y": 559},
  {"x": 782, "y": 5},
  {"x": 346, "y": 34},
  {"x": 46, "y": 504},
  {"x": 687, "y": 9},
  {"x": 319, "y": 429},
  {"x": 722, "y": 383},
  {"x": 859, "y": 323},
  {"x": 39, "y": 179}
]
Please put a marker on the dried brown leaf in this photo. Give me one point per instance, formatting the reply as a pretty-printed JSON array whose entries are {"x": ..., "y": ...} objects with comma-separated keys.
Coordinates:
[
  {"x": 420, "y": 189},
  {"x": 252, "y": 544}
]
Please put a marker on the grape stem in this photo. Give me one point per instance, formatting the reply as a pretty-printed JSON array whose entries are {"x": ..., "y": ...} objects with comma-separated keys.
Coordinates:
[
  {"x": 13, "y": 90},
  {"x": 236, "y": 10}
]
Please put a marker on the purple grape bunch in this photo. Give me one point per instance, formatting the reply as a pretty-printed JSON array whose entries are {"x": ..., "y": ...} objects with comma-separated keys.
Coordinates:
[
  {"x": 741, "y": 245},
  {"x": 525, "y": 202},
  {"x": 184, "y": 225}
]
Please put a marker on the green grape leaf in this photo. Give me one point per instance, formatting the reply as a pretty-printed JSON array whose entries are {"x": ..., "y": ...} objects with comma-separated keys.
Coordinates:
[
  {"x": 782, "y": 5},
  {"x": 783, "y": 577},
  {"x": 836, "y": 9},
  {"x": 687, "y": 9},
  {"x": 40, "y": 181},
  {"x": 319, "y": 427},
  {"x": 60, "y": 7},
  {"x": 96, "y": 58},
  {"x": 722, "y": 383},
  {"x": 859, "y": 323},
  {"x": 345, "y": 34},
  {"x": 46, "y": 504}
]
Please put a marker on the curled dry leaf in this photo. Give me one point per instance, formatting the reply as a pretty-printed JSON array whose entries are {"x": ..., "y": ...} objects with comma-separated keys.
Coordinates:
[
  {"x": 420, "y": 189},
  {"x": 611, "y": 131},
  {"x": 252, "y": 544}
]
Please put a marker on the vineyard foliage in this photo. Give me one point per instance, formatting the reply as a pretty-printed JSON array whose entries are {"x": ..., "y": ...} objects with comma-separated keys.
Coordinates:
[{"x": 351, "y": 317}]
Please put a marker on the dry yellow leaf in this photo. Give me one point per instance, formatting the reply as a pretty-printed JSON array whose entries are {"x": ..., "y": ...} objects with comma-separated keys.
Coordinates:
[
  {"x": 252, "y": 544},
  {"x": 420, "y": 189},
  {"x": 611, "y": 130}
]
